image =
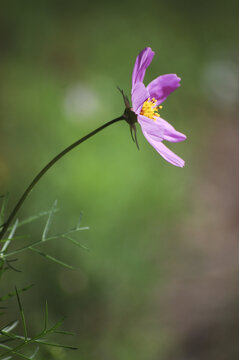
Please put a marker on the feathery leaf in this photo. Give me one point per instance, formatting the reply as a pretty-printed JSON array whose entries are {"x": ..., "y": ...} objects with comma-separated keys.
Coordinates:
[{"x": 49, "y": 221}]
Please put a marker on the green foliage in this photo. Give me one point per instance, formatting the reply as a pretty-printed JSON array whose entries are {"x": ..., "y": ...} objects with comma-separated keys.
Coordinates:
[
  {"x": 3, "y": 208},
  {"x": 11, "y": 343},
  {"x": 6, "y": 256},
  {"x": 19, "y": 342},
  {"x": 8, "y": 296}
]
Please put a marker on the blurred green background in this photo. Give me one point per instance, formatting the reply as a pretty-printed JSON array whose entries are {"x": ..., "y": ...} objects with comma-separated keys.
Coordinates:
[{"x": 161, "y": 278}]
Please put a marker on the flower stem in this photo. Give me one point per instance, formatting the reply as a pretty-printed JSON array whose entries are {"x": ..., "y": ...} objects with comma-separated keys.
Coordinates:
[{"x": 47, "y": 167}]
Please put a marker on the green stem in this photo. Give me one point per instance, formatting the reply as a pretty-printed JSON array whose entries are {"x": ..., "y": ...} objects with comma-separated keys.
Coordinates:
[{"x": 47, "y": 167}]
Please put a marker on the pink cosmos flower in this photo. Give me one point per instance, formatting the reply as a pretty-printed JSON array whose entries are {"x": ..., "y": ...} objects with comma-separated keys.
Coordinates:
[{"x": 146, "y": 102}]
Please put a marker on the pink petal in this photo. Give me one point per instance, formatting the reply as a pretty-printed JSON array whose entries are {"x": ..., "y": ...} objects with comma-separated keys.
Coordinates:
[
  {"x": 162, "y": 86},
  {"x": 153, "y": 129},
  {"x": 139, "y": 95},
  {"x": 167, "y": 154},
  {"x": 170, "y": 134},
  {"x": 143, "y": 60}
]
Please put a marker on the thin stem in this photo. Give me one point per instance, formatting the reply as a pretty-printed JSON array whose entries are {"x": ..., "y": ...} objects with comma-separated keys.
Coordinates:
[{"x": 47, "y": 167}]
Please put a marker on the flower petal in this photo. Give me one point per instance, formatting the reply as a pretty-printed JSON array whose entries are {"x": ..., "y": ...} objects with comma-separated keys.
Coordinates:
[
  {"x": 161, "y": 87},
  {"x": 139, "y": 95},
  {"x": 153, "y": 129},
  {"x": 170, "y": 134},
  {"x": 143, "y": 60},
  {"x": 167, "y": 154}
]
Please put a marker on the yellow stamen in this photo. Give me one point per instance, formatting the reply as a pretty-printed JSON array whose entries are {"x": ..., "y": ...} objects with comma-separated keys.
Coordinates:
[{"x": 150, "y": 110}]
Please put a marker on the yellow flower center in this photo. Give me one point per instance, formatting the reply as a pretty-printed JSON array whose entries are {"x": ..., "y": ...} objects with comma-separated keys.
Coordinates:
[{"x": 150, "y": 110}]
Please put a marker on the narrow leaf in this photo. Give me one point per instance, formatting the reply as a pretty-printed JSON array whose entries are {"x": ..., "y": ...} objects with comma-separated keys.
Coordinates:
[
  {"x": 17, "y": 251},
  {"x": 10, "y": 327},
  {"x": 15, "y": 238},
  {"x": 35, "y": 352},
  {"x": 54, "y": 327},
  {"x": 3, "y": 298},
  {"x": 57, "y": 345},
  {"x": 49, "y": 221},
  {"x": 33, "y": 218},
  {"x": 46, "y": 317},
  {"x": 3, "y": 208},
  {"x": 5, "y": 246},
  {"x": 5, "y": 346},
  {"x": 76, "y": 242},
  {"x": 10, "y": 266},
  {"x": 64, "y": 332},
  {"x": 22, "y": 355},
  {"x": 22, "y": 314},
  {"x": 47, "y": 256},
  {"x": 10, "y": 336}
]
